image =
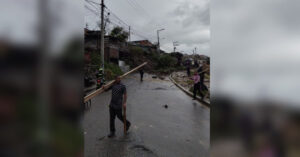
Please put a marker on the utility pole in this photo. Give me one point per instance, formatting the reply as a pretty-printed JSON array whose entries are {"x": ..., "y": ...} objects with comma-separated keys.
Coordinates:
[
  {"x": 194, "y": 55},
  {"x": 129, "y": 34},
  {"x": 102, "y": 33},
  {"x": 175, "y": 44},
  {"x": 158, "y": 43},
  {"x": 158, "y": 46}
]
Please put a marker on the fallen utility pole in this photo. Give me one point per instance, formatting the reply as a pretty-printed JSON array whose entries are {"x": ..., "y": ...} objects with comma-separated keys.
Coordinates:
[{"x": 101, "y": 90}]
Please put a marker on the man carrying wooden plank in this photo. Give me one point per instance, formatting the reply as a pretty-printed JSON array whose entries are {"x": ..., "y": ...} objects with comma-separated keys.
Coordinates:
[{"x": 118, "y": 101}]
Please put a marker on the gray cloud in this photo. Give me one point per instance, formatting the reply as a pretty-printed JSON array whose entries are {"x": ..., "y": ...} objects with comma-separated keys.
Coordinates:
[
  {"x": 189, "y": 14},
  {"x": 255, "y": 49}
]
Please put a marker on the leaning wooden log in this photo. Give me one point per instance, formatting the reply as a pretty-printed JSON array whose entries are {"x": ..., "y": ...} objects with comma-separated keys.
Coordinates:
[
  {"x": 101, "y": 90},
  {"x": 124, "y": 120}
]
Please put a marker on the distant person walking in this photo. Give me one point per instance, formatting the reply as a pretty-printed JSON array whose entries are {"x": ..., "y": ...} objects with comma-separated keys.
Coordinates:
[
  {"x": 196, "y": 79},
  {"x": 118, "y": 100},
  {"x": 188, "y": 70},
  {"x": 141, "y": 74}
]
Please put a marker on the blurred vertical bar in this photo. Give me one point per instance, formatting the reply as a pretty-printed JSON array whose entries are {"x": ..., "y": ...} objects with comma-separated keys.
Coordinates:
[
  {"x": 255, "y": 78},
  {"x": 41, "y": 83},
  {"x": 44, "y": 73}
]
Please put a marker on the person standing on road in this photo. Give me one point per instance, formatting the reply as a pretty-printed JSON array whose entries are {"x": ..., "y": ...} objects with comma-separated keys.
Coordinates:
[
  {"x": 202, "y": 70},
  {"x": 118, "y": 100},
  {"x": 141, "y": 73},
  {"x": 196, "y": 79},
  {"x": 188, "y": 70}
]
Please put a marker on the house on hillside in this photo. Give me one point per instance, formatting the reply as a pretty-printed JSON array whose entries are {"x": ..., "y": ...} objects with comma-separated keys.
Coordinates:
[
  {"x": 146, "y": 45},
  {"x": 112, "y": 49}
]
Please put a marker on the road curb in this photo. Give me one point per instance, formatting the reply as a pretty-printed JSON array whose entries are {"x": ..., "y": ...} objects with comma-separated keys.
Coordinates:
[{"x": 188, "y": 92}]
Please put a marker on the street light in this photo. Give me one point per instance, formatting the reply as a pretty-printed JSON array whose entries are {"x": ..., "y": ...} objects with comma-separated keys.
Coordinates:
[
  {"x": 175, "y": 43},
  {"x": 158, "y": 44}
]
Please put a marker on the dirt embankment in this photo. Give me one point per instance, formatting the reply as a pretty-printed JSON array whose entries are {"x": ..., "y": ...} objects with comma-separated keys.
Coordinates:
[{"x": 159, "y": 64}]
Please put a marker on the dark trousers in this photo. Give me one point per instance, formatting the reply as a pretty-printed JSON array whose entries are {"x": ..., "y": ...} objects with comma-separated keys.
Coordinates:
[
  {"x": 196, "y": 89},
  {"x": 202, "y": 85},
  {"x": 113, "y": 113},
  {"x": 142, "y": 75}
]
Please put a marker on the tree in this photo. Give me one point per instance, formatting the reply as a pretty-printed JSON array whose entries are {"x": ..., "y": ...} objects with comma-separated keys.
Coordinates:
[
  {"x": 166, "y": 61},
  {"x": 179, "y": 57},
  {"x": 118, "y": 34}
]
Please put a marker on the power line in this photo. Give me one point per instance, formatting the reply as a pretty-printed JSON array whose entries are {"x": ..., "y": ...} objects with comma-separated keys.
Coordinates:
[
  {"x": 96, "y": 6},
  {"x": 116, "y": 20},
  {"x": 89, "y": 1},
  {"x": 125, "y": 24},
  {"x": 91, "y": 10},
  {"x": 133, "y": 3},
  {"x": 133, "y": 32},
  {"x": 117, "y": 17},
  {"x": 137, "y": 8},
  {"x": 141, "y": 7}
]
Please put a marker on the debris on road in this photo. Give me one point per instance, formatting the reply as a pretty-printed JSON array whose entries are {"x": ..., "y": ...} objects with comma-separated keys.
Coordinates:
[
  {"x": 101, "y": 138},
  {"x": 161, "y": 77},
  {"x": 142, "y": 148},
  {"x": 159, "y": 88},
  {"x": 166, "y": 106}
]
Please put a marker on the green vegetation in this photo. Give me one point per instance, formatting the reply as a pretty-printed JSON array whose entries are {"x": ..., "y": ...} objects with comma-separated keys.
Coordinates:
[
  {"x": 166, "y": 64},
  {"x": 118, "y": 34},
  {"x": 95, "y": 61},
  {"x": 166, "y": 61},
  {"x": 137, "y": 51},
  {"x": 157, "y": 63},
  {"x": 111, "y": 71}
]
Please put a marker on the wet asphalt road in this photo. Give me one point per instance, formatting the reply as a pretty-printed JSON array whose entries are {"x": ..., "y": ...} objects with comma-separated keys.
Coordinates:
[{"x": 181, "y": 130}]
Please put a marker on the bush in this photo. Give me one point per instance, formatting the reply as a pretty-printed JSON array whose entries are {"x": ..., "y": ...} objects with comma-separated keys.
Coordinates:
[
  {"x": 180, "y": 68},
  {"x": 136, "y": 51},
  {"x": 154, "y": 57},
  {"x": 166, "y": 61},
  {"x": 95, "y": 60},
  {"x": 111, "y": 71}
]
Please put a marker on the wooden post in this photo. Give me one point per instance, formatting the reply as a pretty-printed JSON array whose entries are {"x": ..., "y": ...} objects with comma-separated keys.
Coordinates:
[{"x": 124, "y": 119}]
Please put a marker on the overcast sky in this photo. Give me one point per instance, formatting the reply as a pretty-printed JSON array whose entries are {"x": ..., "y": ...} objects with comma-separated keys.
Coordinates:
[
  {"x": 255, "y": 49},
  {"x": 185, "y": 21},
  {"x": 20, "y": 21}
]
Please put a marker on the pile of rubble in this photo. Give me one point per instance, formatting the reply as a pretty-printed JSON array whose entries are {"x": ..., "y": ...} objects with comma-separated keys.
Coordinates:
[{"x": 182, "y": 79}]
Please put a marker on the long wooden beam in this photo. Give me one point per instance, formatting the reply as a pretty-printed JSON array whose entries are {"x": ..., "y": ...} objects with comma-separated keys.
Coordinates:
[{"x": 101, "y": 90}]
